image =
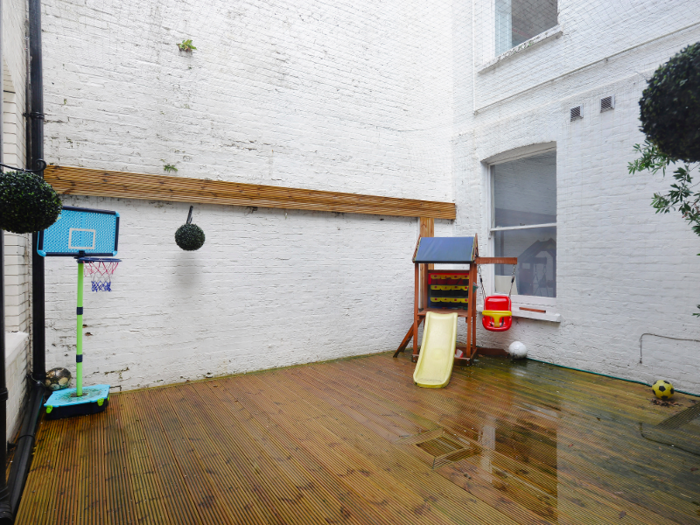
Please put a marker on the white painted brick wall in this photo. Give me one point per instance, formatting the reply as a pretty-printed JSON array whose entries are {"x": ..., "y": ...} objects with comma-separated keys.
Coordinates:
[
  {"x": 327, "y": 95},
  {"x": 622, "y": 270},
  {"x": 371, "y": 98},
  {"x": 340, "y": 96},
  {"x": 17, "y": 247},
  {"x": 268, "y": 288}
]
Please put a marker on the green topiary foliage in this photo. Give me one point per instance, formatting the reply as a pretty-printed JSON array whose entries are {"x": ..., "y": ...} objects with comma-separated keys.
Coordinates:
[
  {"x": 189, "y": 237},
  {"x": 27, "y": 202},
  {"x": 670, "y": 106}
]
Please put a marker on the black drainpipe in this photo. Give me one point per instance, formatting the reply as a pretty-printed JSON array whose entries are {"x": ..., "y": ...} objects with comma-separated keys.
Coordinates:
[{"x": 36, "y": 114}]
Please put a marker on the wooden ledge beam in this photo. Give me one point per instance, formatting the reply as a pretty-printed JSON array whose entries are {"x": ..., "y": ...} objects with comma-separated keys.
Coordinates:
[
  {"x": 496, "y": 260},
  {"x": 100, "y": 183}
]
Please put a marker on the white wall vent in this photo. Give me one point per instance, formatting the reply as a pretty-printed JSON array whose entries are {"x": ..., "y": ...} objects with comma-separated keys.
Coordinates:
[
  {"x": 576, "y": 113},
  {"x": 607, "y": 103}
]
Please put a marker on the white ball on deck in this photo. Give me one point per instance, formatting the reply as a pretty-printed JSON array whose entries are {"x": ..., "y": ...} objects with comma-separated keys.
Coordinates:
[{"x": 517, "y": 350}]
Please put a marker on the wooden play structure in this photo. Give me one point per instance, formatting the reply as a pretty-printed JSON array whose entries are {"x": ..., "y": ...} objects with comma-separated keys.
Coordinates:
[{"x": 447, "y": 291}]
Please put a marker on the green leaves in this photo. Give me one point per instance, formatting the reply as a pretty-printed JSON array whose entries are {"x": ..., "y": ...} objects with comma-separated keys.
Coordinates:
[
  {"x": 670, "y": 106},
  {"x": 186, "y": 45},
  {"x": 27, "y": 202},
  {"x": 682, "y": 195}
]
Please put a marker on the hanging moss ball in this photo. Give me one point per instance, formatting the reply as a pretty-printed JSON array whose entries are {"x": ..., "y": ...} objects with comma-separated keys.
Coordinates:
[
  {"x": 189, "y": 237},
  {"x": 28, "y": 202},
  {"x": 670, "y": 106}
]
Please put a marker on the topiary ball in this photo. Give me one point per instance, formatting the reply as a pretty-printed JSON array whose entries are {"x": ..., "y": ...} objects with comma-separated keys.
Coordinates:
[
  {"x": 663, "y": 389},
  {"x": 189, "y": 237},
  {"x": 670, "y": 106},
  {"x": 29, "y": 203}
]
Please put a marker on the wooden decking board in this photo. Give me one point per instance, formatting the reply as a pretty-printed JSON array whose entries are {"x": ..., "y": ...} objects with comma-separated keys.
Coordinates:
[
  {"x": 417, "y": 459},
  {"x": 163, "y": 462},
  {"x": 43, "y": 492},
  {"x": 293, "y": 472},
  {"x": 596, "y": 437},
  {"x": 539, "y": 497},
  {"x": 391, "y": 460},
  {"x": 507, "y": 507},
  {"x": 335, "y": 456},
  {"x": 585, "y": 464},
  {"x": 642, "y": 458},
  {"x": 377, "y": 379},
  {"x": 257, "y": 476},
  {"x": 203, "y": 488},
  {"x": 331, "y": 443},
  {"x": 338, "y": 445},
  {"x": 156, "y": 507},
  {"x": 257, "y": 424},
  {"x": 599, "y": 475},
  {"x": 535, "y": 499}
]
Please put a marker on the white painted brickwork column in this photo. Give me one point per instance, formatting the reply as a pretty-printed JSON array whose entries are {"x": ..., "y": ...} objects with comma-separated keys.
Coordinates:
[{"x": 17, "y": 247}]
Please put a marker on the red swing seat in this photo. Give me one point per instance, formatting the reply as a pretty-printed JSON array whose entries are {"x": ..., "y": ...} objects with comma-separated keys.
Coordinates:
[{"x": 501, "y": 317}]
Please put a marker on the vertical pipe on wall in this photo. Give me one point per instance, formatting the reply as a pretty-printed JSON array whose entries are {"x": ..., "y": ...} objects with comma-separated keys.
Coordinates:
[{"x": 36, "y": 152}]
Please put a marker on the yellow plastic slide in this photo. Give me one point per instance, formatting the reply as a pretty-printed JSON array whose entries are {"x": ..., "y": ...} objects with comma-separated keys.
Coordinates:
[{"x": 437, "y": 352}]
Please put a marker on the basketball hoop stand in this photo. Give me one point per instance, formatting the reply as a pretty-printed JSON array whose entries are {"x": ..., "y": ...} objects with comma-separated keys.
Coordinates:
[{"x": 89, "y": 236}]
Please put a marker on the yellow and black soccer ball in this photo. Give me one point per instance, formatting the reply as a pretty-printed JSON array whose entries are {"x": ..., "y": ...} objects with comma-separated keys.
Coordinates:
[{"x": 663, "y": 389}]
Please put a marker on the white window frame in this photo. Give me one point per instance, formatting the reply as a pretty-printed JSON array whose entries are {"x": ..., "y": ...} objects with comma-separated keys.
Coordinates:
[
  {"x": 487, "y": 58},
  {"x": 528, "y": 301}
]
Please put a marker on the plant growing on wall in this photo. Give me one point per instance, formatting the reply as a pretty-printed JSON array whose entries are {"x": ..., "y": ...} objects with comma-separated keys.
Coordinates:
[
  {"x": 169, "y": 168},
  {"x": 29, "y": 203},
  {"x": 670, "y": 116},
  {"x": 186, "y": 45}
]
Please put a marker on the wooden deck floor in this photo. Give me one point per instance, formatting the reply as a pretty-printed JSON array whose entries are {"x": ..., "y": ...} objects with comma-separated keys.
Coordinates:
[{"x": 355, "y": 442}]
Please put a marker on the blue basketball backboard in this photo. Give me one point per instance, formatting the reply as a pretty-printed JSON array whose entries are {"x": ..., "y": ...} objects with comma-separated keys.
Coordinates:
[{"x": 81, "y": 232}]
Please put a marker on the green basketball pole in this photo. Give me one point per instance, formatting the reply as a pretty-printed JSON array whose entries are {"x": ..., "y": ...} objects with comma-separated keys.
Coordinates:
[{"x": 79, "y": 338}]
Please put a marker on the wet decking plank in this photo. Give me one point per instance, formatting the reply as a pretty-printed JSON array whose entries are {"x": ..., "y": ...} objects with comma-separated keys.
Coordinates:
[
  {"x": 441, "y": 496},
  {"x": 583, "y": 466},
  {"x": 336, "y": 443},
  {"x": 334, "y": 447},
  {"x": 445, "y": 413}
]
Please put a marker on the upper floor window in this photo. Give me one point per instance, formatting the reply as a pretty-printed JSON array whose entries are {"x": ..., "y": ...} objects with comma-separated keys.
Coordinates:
[
  {"x": 524, "y": 225},
  {"x": 521, "y": 20}
]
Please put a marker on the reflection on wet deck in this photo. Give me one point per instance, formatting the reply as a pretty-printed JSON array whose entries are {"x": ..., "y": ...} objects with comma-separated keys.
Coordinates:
[{"x": 354, "y": 441}]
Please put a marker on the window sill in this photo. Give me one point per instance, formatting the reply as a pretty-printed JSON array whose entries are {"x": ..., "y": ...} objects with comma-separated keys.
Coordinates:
[
  {"x": 551, "y": 34},
  {"x": 526, "y": 314}
]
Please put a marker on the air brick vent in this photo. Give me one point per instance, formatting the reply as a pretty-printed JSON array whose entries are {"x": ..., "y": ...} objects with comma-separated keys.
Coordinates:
[
  {"x": 576, "y": 113},
  {"x": 607, "y": 103}
]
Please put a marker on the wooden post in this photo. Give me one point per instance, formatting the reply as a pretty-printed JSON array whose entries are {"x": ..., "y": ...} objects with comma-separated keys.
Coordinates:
[
  {"x": 415, "y": 312},
  {"x": 471, "y": 320},
  {"x": 427, "y": 229}
]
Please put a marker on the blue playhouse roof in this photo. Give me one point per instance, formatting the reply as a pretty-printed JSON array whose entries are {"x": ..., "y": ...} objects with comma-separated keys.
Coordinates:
[{"x": 455, "y": 250}]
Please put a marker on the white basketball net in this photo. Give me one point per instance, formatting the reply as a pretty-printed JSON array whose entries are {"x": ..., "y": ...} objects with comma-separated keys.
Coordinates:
[{"x": 100, "y": 273}]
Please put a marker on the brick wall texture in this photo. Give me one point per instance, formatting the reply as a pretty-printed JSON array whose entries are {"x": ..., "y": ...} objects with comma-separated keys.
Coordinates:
[
  {"x": 386, "y": 98},
  {"x": 17, "y": 263}
]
